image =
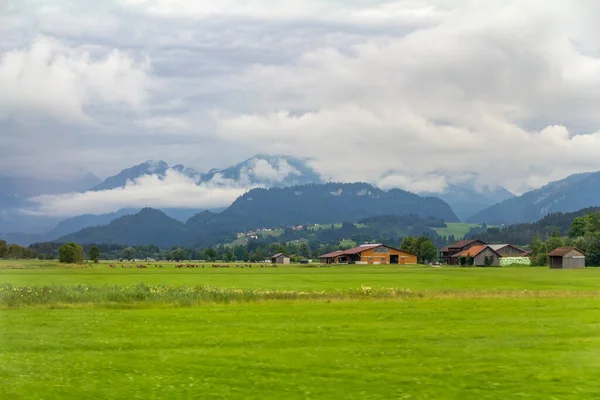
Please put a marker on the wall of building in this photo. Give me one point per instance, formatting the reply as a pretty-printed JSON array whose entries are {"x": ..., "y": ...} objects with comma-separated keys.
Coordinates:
[
  {"x": 382, "y": 255},
  {"x": 509, "y": 251},
  {"x": 479, "y": 259},
  {"x": 282, "y": 260},
  {"x": 573, "y": 262}
]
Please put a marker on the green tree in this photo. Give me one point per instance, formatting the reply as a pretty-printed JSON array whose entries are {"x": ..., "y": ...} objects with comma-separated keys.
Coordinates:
[
  {"x": 426, "y": 250},
  {"x": 128, "y": 253},
  {"x": 3, "y": 249},
  {"x": 553, "y": 243},
  {"x": 577, "y": 228},
  {"x": 592, "y": 248},
  {"x": 178, "y": 254},
  {"x": 592, "y": 222},
  {"x": 408, "y": 245},
  {"x": 304, "y": 251},
  {"x": 211, "y": 254},
  {"x": 469, "y": 260},
  {"x": 70, "y": 253},
  {"x": 95, "y": 254},
  {"x": 228, "y": 256}
]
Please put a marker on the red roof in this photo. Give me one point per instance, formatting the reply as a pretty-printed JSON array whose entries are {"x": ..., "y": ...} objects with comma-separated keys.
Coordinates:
[
  {"x": 331, "y": 255},
  {"x": 473, "y": 251},
  {"x": 460, "y": 244},
  {"x": 562, "y": 251},
  {"x": 355, "y": 250}
]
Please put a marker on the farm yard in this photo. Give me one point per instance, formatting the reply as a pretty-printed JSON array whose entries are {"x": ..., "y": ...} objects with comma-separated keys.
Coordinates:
[{"x": 344, "y": 332}]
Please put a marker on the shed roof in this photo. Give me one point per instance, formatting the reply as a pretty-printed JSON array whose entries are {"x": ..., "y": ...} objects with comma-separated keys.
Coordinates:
[
  {"x": 278, "y": 255},
  {"x": 460, "y": 244},
  {"x": 562, "y": 251},
  {"x": 332, "y": 254}
]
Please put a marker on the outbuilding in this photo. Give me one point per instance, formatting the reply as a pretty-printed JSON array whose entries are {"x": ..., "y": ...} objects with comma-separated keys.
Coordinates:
[
  {"x": 481, "y": 256},
  {"x": 566, "y": 258},
  {"x": 280, "y": 258}
]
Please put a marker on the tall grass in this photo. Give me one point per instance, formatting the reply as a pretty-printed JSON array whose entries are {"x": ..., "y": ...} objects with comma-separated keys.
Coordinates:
[{"x": 143, "y": 295}]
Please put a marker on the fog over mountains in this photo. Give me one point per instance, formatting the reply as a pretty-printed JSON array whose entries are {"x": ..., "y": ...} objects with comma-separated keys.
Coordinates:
[{"x": 36, "y": 210}]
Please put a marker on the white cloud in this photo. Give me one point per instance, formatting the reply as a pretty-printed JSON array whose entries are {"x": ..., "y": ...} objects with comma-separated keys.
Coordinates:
[
  {"x": 262, "y": 170},
  {"x": 49, "y": 78},
  {"x": 172, "y": 191},
  {"x": 432, "y": 184}
]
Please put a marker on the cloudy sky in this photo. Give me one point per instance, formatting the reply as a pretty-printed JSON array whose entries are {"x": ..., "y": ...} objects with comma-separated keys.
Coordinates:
[{"x": 408, "y": 93}]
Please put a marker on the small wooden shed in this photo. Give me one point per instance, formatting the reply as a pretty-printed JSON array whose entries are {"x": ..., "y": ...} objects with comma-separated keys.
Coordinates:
[
  {"x": 566, "y": 258},
  {"x": 280, "y": 258}
]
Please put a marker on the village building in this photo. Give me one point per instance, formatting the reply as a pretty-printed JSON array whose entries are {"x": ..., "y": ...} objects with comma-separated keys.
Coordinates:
[
  {"x": 508, "y": 250},
  {"x": 369, "y": 254},
  {"x": 280, "y": 258},
  {"x": 566, "y": 258},
  {"x": 447, "y": 253},
  {"x": 481, "y": 255}
]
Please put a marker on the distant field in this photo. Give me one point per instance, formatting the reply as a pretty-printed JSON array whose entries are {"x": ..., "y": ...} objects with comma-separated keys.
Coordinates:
[
  {"x": 458, "y": 229},
  {"x": 449, "y": 333}
]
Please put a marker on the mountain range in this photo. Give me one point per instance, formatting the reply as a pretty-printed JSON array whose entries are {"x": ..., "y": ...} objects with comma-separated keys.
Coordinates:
[
  {"x": 466, "y": 199},
  {"x": 567, "y": 195},
  {"x": 261, "y": 170},
  {"x": 258, "y": 208},
  {"x": 470, "y": 203}
]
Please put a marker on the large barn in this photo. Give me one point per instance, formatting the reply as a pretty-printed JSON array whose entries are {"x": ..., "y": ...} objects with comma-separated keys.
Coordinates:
[
  {"x": 369, "y": 254},
  {"x": 566, "y": 258}
]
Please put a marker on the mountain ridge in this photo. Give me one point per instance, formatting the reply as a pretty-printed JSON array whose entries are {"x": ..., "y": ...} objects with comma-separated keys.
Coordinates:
[{"x": 575, "y": 192}]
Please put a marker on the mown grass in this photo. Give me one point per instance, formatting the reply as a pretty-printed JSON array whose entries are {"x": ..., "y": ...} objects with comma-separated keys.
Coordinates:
[
  {"x": 417, "y": 349},
  {"x": 299, "y": 333},
  {"x": 302, "y": 278}
]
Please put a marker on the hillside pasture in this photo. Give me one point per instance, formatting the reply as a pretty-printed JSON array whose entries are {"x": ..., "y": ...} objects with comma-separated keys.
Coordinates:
[
  {"x": 458, "y": 229},
  {"x": 298, "y": 332}
]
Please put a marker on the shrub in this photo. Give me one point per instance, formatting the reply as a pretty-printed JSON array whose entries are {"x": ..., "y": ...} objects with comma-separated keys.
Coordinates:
[{"x": 70, "y": 253}]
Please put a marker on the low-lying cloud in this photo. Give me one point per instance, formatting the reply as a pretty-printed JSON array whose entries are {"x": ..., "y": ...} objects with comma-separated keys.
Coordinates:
[{"x": 174, "y": 190}]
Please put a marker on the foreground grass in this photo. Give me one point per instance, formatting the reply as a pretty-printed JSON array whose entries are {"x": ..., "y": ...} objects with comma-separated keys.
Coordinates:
[
  {"x": 415, "y": 349},
  {"x": 298, "y": 333}
]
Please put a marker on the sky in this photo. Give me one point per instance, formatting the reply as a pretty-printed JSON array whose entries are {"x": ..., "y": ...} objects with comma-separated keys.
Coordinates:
[{"x": 410, "y": 93}]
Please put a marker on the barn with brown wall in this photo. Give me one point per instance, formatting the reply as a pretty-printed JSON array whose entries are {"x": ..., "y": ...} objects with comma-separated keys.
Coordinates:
[{"x": 369, "y": 254}]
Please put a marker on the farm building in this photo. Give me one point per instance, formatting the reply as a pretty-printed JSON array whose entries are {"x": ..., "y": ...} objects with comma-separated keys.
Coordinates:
[
  {"x": 566, "y": 258},
  {"x": 369, "y": 254},
  {"x": 447, "y": 253},
  {"x": 508, "y": 250},
  {"x": 482, "y": 255},
  {"x": 280, "y": 258}
]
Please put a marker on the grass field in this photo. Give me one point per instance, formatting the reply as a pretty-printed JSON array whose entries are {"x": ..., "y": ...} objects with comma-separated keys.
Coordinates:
[{"x": 497, "y": 333}]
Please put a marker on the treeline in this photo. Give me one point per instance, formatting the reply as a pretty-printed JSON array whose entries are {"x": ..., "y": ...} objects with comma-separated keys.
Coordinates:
[
  {"x": 583, "y": 233},
  {"x": 524, "y": 234},
  {"x": 13, "y": 251}
]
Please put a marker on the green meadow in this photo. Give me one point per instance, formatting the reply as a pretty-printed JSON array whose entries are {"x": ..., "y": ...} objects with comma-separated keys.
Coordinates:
[{"x": 298, "y": 333}]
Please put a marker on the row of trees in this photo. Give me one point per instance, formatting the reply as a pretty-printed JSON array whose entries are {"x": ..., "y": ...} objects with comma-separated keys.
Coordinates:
[{"x": 14, "y": 251}]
